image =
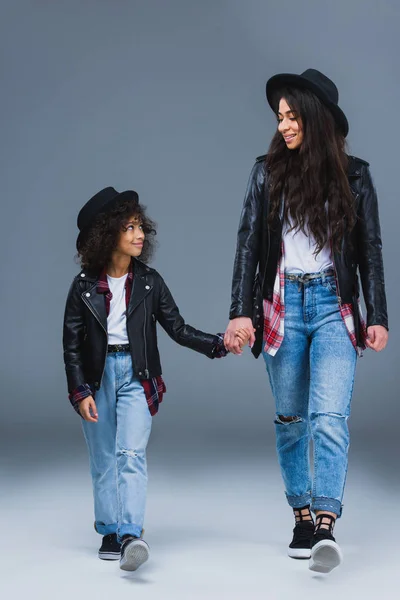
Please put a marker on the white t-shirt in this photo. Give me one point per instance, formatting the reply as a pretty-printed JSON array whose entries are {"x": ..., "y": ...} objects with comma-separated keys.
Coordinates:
[
  {"x": 116, "y": 321},
  {"x": 299, "y": 253}
]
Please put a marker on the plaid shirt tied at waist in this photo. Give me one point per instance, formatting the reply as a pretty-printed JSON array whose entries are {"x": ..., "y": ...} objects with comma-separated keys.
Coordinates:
[{"x": 274, "y": 315}]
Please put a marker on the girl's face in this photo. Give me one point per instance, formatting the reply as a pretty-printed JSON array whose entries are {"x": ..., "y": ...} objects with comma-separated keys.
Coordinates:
[
  {"x": 131, "y": 239},
  {"x": 289, "y": 125}
]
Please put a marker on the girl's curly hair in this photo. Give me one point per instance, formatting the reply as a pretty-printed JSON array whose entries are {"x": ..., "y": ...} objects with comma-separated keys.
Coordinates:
[{"x": 96, "y": 245}]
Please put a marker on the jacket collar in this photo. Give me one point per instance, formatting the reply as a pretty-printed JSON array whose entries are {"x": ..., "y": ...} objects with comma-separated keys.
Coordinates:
[
  {"x": 138, "y": 268},
  {"x": 354, "y": 166},
  {"x": 96, "y": 301}
]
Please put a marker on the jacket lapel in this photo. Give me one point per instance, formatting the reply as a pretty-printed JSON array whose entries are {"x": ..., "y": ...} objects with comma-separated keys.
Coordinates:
[
  {"x": 140, "y": 287},
  {"x": 96, "y": 304}
]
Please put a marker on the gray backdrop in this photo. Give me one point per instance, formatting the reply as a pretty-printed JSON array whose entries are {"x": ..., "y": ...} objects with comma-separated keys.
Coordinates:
[{"x": 168, "y": 98}]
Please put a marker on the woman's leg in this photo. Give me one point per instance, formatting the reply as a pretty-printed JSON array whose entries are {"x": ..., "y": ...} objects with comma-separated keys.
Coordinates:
[
  {"x": 288, "y": 372},
  {"x": 100, "y": 439},
  {"x": 332, "y": 369}
]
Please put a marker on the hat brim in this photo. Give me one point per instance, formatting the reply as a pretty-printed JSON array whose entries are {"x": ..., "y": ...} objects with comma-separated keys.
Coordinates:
[
  {"x": 291, "y": 79},
  {"x": 107, "y": 207}
]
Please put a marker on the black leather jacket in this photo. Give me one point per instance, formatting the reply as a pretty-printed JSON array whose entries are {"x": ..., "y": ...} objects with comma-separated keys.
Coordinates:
[
  {"x": 85, "y": 327},
  {"x": 258, "y": 247}
]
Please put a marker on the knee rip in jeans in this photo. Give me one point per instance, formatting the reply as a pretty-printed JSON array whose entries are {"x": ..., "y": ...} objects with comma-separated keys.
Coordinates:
[
  {"x": 130, "y": 453},
  {"x": 282, "y": 420}
]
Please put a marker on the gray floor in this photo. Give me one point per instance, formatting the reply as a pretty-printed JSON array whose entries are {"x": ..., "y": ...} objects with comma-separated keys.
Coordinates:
[{"x": 217, "y": 526}]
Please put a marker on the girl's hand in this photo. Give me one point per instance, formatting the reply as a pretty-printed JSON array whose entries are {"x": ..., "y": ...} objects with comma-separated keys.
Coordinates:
[
  {"x": 377, "y": 337},
  {"x": 88, "y": 410}
]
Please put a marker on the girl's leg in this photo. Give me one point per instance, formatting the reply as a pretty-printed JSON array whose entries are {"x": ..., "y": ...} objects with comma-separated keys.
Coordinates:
[
  {"x": 100, "y": 439},
  {"x": 133, "y": 430}
]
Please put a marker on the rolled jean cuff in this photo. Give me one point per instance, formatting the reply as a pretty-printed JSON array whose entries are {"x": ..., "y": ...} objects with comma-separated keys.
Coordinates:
[
  {"x": 299, "y": 501},
  {"x": 104, "y": 529},
  {"x": 129, "y": 529},
  {"x": 328, "y": 504}
]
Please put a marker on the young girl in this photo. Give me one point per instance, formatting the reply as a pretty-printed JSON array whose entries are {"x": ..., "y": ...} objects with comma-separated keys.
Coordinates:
[
  {"x": 309, "y": 222},
  {"x": 112, "y": 362}
]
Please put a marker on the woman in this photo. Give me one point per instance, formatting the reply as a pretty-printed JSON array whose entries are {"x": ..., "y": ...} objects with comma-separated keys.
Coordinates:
[{"x": 310, "y": 220}]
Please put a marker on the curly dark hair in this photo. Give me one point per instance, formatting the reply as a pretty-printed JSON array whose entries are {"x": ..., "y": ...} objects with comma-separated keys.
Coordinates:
[
  {"x": 96, "y": 245},
  {"x": 314, "y": 175}
]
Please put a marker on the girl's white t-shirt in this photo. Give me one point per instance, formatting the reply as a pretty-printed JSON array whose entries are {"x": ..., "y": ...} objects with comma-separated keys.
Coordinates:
[
  {"x": 299, "y": 253},
  {"x": 116, "y": 320}
]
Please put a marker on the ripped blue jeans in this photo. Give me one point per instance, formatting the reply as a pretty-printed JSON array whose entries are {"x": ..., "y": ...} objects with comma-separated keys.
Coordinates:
[
  {"x": 312, "y": 377},
  {"x": 117, "y": 449}
]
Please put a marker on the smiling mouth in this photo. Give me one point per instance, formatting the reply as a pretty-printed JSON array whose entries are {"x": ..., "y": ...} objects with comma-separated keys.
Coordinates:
[{"x": 289, "y": 138}]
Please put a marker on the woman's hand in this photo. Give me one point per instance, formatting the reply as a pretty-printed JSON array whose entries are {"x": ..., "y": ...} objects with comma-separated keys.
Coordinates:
[
  {"x": 88, "y": 410},
  {"x": 231, "y": 340},
  {"x": 377, "y": 337}
]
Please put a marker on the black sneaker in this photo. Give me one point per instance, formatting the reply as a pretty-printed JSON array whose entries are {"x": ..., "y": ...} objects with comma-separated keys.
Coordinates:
[
  {"x": 134, "y": 552},
  {"x": 325, "y": 551},
  {"x": 300, "y": 546},
  {"x": 110, "y": 548}
]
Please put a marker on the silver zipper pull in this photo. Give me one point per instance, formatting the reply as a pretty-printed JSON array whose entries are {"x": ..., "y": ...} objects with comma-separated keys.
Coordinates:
[{"x": 146, "y": 373}]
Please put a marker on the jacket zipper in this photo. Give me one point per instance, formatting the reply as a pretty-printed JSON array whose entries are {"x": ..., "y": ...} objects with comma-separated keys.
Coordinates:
[
  {"x": 105, "y": 331},
  {"x": 266, "y": 264},
  {"x": 268, "y": 249},
  {"x": 146, "y": 371},
  {"x": 336, "y": 276}
]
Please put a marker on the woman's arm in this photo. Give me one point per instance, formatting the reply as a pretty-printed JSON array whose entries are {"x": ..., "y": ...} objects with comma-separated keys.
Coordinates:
[
  {"x": 246, "y": 259},
  {"x": 371, "y": 262}
]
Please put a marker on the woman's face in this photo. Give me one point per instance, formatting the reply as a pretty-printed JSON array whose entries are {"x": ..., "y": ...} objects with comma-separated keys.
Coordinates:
[
  {"x": 132, "y": 238},
  {"x": 289, "y": 125}
]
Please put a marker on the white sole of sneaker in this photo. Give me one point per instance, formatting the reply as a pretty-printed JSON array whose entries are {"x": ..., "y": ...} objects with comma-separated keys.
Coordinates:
[
  {"x": 325, "y": 556},
  {"x": 135, "y": 554},
  {"x": 109, "y": 555},
  {"x": 299, "y": 553}
]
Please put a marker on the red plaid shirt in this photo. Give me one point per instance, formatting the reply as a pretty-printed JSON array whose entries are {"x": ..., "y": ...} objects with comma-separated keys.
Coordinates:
[
  {"x": 154, "y": 388},
  {"x": 274, "y": 315}
]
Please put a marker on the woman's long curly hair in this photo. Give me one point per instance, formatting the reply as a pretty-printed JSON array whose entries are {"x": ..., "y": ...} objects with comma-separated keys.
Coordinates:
[
  {"x": 312, "y": 178},
  {"x": 95, "y": 246}
]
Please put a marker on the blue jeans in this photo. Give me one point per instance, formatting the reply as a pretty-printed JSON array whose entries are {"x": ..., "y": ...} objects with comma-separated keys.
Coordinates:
[
  {"x": 117, "y": 449},
  {"x": 312, "y": 376}
]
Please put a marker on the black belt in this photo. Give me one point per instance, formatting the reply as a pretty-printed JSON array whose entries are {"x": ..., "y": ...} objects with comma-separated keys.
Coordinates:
[{"x": 118, "y": 348}]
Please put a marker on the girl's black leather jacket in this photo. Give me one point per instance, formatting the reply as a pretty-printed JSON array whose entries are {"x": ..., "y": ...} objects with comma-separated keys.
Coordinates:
[{"x": 85, "y": 327}]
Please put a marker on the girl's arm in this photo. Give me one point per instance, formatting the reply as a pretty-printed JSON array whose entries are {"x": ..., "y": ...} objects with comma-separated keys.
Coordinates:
[
  {"x": 171, "y": 320},
  {"x": 73, "y": 334}
]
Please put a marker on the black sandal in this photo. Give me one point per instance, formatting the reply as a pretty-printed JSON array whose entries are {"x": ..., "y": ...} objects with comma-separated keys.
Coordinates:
[
  {"x": 325, "y": 551},
  {"x": 300, "y": 546}
]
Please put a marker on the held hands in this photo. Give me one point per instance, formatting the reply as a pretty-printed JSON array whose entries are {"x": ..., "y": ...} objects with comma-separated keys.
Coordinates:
[
  {"x": 239, "y": 332},
  {"x": 377, "y": 337},
  {"x": 88, "y": 410},
  {"x": 243, "y": 337}
]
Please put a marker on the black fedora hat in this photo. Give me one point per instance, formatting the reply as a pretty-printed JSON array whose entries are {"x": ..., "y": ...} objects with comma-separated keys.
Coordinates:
[
  {"x": 316, "y": 82},
  {"x": 102, "y": 202}
]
